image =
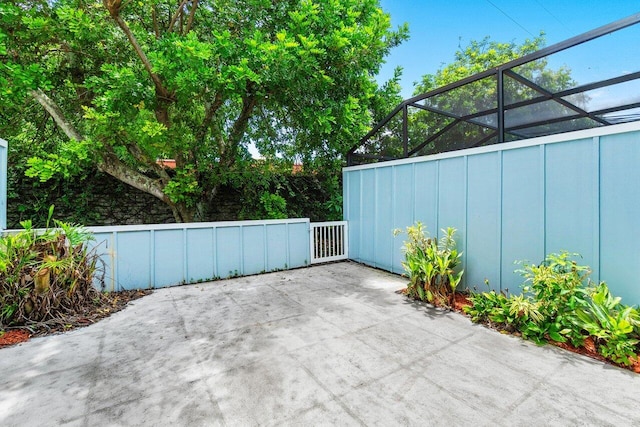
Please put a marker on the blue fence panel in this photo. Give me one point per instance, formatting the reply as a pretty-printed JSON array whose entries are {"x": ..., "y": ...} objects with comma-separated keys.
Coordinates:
[
  {"x": 483, "y": 219},
  {"x": 403, "y": 198},
  {"x": 229, "y": 251},
  {"x": 103, "y": 247},
  {"x": 571, "y": 198},
  {"x": 298, "y": 240},
  {"x": 143, "y": 256},
  {"x": 425, "y": 188},
  {"x": 277, "y": 246},
  {"x": 383, "y": 226},
  {"x": 352, "y": 207},
  {"x": 620, "y": 214},
  {"x": 253, "y": 245},
  {"x": 522, "y": 212},
  {"x": 168, "y": 263},
  {"x": 578, "y": 192},
  {"x": 200, "y": 254},
  {"x": 368, "y": 216},
  {"x": 133, "y": 251}
]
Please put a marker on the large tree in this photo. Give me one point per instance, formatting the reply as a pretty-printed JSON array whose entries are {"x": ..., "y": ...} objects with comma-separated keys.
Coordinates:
[{"x": 121, "y": 84}]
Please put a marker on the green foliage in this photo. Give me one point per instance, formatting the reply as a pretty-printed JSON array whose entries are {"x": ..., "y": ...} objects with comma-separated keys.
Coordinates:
[
  {"x": 558, "y": 304},
  {"x": 557, "y": 286},
  {"x": 274, "y": 205},
  {"x": 45, "y": 273},
  {"x": 315, "y": 194},
  {"x": 183, "y": 187},
  {"x": 293, "y": 78},
  {"x": 481, "y": 55},
  {"x": 431, "y": 265},
  {"x": 611, "y": 324}
]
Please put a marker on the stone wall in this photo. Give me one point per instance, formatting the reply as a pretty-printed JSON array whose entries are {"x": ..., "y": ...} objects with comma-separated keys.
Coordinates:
[{"x": 99, "y": 200}]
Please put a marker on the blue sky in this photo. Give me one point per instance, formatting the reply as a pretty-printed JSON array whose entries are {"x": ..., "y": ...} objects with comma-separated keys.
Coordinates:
[{"x": 438, "y": 27}]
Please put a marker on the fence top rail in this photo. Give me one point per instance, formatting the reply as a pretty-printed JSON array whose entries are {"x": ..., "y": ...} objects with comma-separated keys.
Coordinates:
[
  {"x": 188, "y": 226},
  {"x": 327, "y": 223}
]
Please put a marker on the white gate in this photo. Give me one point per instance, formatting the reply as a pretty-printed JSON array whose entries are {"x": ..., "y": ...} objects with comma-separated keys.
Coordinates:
[{"x": 329, "y": 241}]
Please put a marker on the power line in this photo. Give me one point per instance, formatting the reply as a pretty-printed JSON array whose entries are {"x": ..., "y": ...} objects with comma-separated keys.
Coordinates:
[
  {"x": 507, "y": 15},
  {"x": 553, "y": 16}
]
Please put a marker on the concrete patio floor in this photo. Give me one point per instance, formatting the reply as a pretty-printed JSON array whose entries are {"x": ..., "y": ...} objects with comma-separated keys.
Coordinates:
[{"x": 326, "y": 345}]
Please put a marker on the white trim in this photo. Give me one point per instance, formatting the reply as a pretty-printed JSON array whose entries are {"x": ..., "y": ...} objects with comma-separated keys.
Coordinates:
[
  {"x": 322, "y": 224},
  {"x": 184, "y": 226},
  {"x": 192, "y": 225},
  {"x": 3, "y": 143},
  {"x": 542, "y": 140}
]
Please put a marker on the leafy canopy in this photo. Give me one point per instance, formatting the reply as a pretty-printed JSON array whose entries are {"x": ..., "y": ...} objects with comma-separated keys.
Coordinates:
[{"x": 120, "y": 84}]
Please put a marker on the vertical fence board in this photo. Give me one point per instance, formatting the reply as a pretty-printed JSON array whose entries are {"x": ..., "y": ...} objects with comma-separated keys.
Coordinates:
[
  {"x": 103, "y": 247},
  {"x": 133, "y": 249},
  {"x": 368, "y": 216},
  {"x": 570, "y": 198},
  {"x": 276, "y": 246},
  {"x": 168, "y": 248},
  {"x": 228, "y": 251},
  {"x": 253, "y": 245},
  {"x": 620, "y": 214},
  {"x": 522, "y": 202},
  {"x": 201, "y": 256},
  {"x": 403, "y": 210},
  {"x": 298, "y": 235},
  {"x": 383, "y": 236},
  {"x": 425, "y": 186},
  {"x": 352, "y": 208},
  {"x": 483, "y": 220}
]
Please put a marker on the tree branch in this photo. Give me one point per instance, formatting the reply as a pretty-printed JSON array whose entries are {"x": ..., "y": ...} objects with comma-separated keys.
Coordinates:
[
  {"x": 208, "y": 117},
  {"x": 192, "y": 12},
  {"x": 56, "y": 113},
  {"x": 154, "y": 16},
  {"x": 141, "y": 157},
  {"x": 176, "y": 15},
  {"x": 110, "y": 163},
  {"x": 113, "y": 166},
  {"x": 143, "y": 57},
  {"x": 163, "y": 96},
  {"x": 240, "y": 125}
]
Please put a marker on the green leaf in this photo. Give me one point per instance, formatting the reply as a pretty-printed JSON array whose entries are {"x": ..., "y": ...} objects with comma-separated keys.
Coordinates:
[{"x": 557, "y": 337}]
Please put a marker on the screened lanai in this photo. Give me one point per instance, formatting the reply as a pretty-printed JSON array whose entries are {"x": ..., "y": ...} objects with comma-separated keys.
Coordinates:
[{"x": 588, "y": 81}]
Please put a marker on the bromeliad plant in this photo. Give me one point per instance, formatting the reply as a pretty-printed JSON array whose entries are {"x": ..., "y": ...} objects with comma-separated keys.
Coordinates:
[
  {"x": 431, "y": 265},
  {"x": 45, "y": 274}
]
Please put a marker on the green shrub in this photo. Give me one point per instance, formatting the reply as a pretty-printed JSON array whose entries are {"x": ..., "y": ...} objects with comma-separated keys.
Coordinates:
[
  {"x": 559, "y": 303},
  {"x": 430, "y": 265},
  {"x": 45, "y": 274},
  {"x": 611, "y": 324}
]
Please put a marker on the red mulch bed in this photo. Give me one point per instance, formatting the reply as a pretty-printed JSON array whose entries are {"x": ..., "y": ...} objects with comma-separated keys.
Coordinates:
[{"x": 15, "y": 336}]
